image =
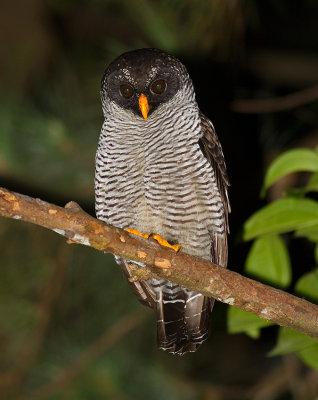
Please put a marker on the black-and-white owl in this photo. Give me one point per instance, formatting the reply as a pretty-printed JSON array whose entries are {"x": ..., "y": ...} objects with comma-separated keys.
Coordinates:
[{"x": 160, "y": 169}]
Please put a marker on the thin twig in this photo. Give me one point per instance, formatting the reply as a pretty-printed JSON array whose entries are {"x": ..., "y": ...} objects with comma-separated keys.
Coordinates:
[
  {"x": 278, "y": 380},
  {"x": 282, "y": 103},
  {"x": 10, "y": 380},
  {"x": 185, "y": 270},
  {"x": 108, "y": 338}
]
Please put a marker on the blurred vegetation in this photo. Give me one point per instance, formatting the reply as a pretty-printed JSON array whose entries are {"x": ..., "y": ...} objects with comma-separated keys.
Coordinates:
[{"x": 59, "y": 303}]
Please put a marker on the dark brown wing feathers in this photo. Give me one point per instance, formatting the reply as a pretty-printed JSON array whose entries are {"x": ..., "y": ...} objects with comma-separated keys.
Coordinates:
[{"x": 212, "y": 150}]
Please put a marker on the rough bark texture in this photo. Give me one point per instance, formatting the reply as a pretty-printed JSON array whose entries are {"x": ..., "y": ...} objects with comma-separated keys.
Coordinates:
[{"x": 188, "y": 271}]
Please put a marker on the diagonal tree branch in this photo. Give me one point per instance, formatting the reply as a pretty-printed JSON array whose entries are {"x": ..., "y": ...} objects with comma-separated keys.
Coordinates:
[{"x": 187, "y": 271}]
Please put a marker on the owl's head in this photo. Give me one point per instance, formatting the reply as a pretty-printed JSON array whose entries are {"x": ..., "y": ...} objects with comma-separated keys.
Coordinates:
[{"x": 143, "y": 80}]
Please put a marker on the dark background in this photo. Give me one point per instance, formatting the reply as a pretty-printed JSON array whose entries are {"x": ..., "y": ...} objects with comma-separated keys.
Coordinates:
[{"x": 69, "y": 326}]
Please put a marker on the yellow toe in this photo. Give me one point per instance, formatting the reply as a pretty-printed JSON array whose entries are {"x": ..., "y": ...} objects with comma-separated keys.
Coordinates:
[
  {"x": 164, "y": 242},
  {"x": 135, "y": 232},
  {"x": 158, "y": 238}
]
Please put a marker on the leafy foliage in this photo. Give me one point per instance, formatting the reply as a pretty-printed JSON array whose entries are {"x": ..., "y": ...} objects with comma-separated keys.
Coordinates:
[{"x": 268, "y": 259}]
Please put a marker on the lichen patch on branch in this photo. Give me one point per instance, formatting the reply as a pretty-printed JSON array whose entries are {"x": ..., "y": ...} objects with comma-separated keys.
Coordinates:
[
  {"x": 98, "y": 230},
  {"x": 81, "y": 239},
  {"x": 59, "y": 231},
  {"x": 229, "y": 301},
  {"x": 10, "y": 197},
  {"x": 141, "y": 254},
  {"x": 162, "y": 262}
]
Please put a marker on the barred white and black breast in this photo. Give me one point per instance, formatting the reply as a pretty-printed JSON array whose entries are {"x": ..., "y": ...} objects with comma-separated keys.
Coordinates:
[{"x": 166, "y": 175}]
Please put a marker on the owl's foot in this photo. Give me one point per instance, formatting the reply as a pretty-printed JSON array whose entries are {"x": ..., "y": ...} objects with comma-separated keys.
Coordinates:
[{"x": 158, "y": 238}]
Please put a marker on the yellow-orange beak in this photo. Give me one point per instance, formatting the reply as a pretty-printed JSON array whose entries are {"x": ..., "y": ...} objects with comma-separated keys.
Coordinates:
[{"x": 143, "y": 105}]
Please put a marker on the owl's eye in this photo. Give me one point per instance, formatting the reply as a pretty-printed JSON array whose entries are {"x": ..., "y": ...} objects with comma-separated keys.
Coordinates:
[
  {"x": 126, "y": 90},
  {"x": 158, "y": 86}
]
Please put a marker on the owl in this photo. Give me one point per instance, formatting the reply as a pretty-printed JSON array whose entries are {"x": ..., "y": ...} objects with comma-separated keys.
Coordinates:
[{"x": 160, "y": 172}]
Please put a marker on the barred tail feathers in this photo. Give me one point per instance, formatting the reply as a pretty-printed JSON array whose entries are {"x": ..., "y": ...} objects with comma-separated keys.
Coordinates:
[{"x": 182, "y": 319}]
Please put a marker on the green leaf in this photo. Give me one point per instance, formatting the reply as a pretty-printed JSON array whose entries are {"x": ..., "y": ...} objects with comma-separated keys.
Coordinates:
[
  {"x": 253, "y": 333},
  {"x": 241, "y": 321},
  {"x": 307, "y": 285},
  {"x": 312, "y": 185},
  {"x": 290, "y": 341},
  {"x": 291, "y": 161},
  {"x": 283, "y": 215},
  {"x": 311, "y": 233},
  {"x": 268, "y": 260},
  {"x": 316, "y": 254},
  {"x": 310, "y": 356}
]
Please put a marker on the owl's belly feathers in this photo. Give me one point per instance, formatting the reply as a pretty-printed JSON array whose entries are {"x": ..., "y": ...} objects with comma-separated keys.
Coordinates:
[{"x": 168, "y": 195}]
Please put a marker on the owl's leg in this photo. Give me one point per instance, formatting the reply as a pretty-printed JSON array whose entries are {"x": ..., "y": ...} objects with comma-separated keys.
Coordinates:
[{"x": 158, "y": 238}]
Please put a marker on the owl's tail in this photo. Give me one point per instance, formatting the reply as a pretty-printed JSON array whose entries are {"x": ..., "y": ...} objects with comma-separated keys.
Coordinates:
[{"x": 182, "y": 319}]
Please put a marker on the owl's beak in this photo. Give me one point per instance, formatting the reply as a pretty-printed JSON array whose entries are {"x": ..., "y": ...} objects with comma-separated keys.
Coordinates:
[{"x": 143, "y": 105}]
